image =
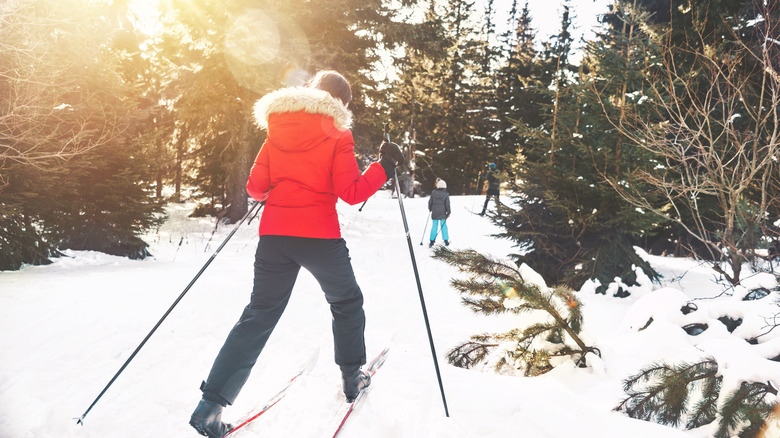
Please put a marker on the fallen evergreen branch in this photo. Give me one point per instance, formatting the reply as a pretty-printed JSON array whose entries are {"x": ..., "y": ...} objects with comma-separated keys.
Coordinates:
[
  {"x": 670, "y": 394},
  {"x": 661, "y": 393},
  {"x": 496, "y": 287},
  {"x": 746, "y": 410}
]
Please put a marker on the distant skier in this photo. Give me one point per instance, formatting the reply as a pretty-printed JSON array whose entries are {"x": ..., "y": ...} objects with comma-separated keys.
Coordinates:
[
  {"x": 439, "y": 206},
  {"x": 305, "y": 164},
  {"x": 494, "y": 186}
]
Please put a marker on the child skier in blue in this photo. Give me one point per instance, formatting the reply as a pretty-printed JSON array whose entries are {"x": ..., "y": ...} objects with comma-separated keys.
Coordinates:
[{"x": 439, "y": 206}]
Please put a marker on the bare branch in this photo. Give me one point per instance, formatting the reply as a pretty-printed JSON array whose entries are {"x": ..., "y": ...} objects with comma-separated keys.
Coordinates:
[
  {"x": 42, "y": 118},
  {"x": 713, "y": 127}
]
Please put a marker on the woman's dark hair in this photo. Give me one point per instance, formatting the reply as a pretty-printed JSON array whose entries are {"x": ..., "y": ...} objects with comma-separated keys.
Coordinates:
[{"x": 335, "y": 84}]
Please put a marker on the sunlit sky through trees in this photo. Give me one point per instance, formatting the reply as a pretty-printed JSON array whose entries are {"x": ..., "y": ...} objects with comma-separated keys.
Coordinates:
[
  {"x": 546, "y": 16},
  {"x": 147, "y": 15}
]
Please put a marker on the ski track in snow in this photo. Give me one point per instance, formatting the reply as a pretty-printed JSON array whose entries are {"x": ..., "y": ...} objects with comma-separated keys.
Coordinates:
[{"x": 66, "y": 328}]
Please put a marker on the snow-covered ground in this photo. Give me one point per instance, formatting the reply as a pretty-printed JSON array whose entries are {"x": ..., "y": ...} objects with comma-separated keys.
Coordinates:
[{"x": 66, "y": 328}]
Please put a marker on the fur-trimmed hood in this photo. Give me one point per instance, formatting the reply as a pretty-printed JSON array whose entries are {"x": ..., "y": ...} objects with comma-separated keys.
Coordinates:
[{"x": 296, "y": 99}]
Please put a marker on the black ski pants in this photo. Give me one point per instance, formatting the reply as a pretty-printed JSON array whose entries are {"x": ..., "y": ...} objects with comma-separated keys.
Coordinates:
[
  {"x": 487, "y": 198},
  {"x": 277, "y": 262}
]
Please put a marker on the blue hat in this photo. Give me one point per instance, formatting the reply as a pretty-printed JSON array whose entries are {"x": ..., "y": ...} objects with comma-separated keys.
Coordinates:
[{"x": 492, "y": 166}]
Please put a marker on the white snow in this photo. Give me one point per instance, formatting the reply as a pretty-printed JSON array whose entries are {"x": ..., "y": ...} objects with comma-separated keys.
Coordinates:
[{"x": 66, "y": 328}]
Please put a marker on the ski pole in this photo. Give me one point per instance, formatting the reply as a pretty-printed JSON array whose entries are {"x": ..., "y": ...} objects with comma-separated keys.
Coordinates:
[
  {"x": 422, "y": 299},
  {"x": 186, "y": 289},
  {"x": 419, "y": 286},
  {"x": 426, "y": 227}
]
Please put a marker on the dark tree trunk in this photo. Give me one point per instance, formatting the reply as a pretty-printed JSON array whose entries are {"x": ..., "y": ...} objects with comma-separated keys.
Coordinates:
[
  {"x": 238, "y": 173},
  {"x": 180, "y": 142}
]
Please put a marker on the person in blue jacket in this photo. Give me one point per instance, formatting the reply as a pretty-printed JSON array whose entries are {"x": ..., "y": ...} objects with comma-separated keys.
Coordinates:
[{"x": 439, "y": 206}]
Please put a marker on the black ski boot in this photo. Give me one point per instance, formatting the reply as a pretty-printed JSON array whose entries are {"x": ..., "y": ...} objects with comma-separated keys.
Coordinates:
[
  {"x": 447, "y": 242},
  {"x": 207, "y": 420},
  {"x": 354, "y": 382},
  {"x": 430, "y": 245}
]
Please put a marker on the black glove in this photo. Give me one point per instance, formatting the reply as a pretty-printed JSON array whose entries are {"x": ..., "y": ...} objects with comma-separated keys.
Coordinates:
[{"x": 389, "y": 156}]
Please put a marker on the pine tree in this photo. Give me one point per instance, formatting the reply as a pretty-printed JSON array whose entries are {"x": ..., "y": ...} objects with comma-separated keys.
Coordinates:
[
  {"x": 106, "y": 197},
  {"x": 447, "y": 88},
  {"x": 570, "y": 224},
  {"x": 92, "y": 192},
  {"x": 106, "y": 203},
  {"x": 241, "y": 50},
  {"x": 32, "y": 97},
  {"x": 619, "y": 61},
  {"x": 519, "y": 95},
  {"x": 411, "y": 104},
  {"x": 486, "y": 118},
  {"x": 217, "y": 79},
  {"x": 453, "y": 139}
]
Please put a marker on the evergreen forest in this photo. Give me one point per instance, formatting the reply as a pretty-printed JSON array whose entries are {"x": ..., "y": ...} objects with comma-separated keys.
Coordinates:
[{"x": 661, "y": 133}]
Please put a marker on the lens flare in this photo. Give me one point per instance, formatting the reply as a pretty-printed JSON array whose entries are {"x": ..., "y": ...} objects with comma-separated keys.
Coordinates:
[
  {"x": 262, "y": 44},
  {"x": 294, "y": 76},
  {"x": 253, "y": 38}
]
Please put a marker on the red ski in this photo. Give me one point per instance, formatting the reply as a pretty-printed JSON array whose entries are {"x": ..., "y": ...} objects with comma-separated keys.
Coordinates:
[
  {"x": 252, "y": 416},
  {"x": 373, "y": 366}
]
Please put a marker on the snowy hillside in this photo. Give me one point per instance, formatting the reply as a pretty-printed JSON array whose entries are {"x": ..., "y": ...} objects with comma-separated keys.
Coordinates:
[{"x": 66, "y": 328}]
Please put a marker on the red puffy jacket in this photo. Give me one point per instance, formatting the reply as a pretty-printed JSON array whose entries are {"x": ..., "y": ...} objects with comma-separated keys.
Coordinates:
[{"x": 306, "y": 163}]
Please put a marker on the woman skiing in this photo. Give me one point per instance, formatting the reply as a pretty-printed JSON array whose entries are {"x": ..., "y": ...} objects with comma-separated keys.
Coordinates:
[
  {"x": 305, "y": 164},
  {"x": 439, "y": 206}
]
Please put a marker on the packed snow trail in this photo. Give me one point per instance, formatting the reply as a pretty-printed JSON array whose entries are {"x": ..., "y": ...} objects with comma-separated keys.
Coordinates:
[{"x": 65, "y": 328}]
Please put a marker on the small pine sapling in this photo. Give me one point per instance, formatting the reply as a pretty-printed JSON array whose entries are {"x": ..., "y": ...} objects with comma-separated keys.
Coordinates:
[{"x": 496, "y": 287}]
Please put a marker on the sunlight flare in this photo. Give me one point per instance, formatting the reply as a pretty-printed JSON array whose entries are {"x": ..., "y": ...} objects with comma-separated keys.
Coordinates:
[
  {"x": 253, "y": 38},
  {"x": 145, "y": 16}
]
